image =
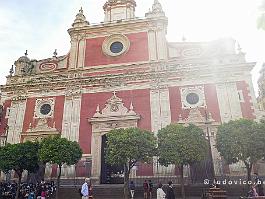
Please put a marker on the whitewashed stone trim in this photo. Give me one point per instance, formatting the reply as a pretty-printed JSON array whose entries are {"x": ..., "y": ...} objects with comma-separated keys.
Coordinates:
[
  {"x": 15, "y": 121},
  {"x": 71, "y": 118},
  {"x": 228, "y": 100}
]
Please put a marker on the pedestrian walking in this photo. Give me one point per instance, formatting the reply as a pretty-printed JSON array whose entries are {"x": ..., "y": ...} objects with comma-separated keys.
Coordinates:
[
  {"x": 145, "y": 186},
  {"x": 159, "y": 192},
  {"x": 170, "y": 192},
  {"x": 132, "y": 189},
  {"x": 85, "y": 189}
]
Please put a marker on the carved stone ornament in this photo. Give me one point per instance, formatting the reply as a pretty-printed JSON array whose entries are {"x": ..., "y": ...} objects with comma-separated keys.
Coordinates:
[
  {"x": 48, "y": 66},
  {"x": 41, "y": 130},
  {"x": 196, "y": 117},
  {"x": 192, "y": 97},
  {"x": 114, "y": 115},
  {"x": 73, "y": 91},
  {"x": 44, "y": 108}
]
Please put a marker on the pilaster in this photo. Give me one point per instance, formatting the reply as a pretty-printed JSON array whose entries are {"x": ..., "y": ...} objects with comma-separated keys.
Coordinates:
[
  {"x": 160, "y": 117},
  {"x": 152, "y": 45},
  {"x": 73, "y": 53},
  {"x": 228, "y": 100},
  {"x": 81, "y": 54},
  {"x": 15, "y": 120},
  {"x": 71, "y": 115},
  {"x": 161, "y": 44}
]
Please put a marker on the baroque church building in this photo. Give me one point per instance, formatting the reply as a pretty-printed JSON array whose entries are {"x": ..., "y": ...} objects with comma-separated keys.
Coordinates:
[{"x": 124, "y": 73}]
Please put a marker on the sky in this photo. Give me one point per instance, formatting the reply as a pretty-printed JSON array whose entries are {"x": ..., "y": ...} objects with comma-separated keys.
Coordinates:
[{"x": 40, "y": 26}]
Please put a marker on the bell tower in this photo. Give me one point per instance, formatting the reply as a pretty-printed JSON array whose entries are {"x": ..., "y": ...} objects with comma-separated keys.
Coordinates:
[{"x": 119, "y": 10}]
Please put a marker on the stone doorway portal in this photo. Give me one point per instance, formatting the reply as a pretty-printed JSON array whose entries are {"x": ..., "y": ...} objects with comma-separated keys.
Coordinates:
[{"x": 114, "y": 116}]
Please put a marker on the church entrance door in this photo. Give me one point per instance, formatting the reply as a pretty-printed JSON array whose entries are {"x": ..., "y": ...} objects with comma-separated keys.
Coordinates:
[{"x": 109, "y": 174}]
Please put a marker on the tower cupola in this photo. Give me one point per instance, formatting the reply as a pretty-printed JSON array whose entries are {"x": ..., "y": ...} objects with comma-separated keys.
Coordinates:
[{"x": 119, "y": 10}]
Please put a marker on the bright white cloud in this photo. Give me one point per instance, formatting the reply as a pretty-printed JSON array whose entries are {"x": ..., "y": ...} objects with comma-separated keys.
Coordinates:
[{"x": 41, "y": 26}]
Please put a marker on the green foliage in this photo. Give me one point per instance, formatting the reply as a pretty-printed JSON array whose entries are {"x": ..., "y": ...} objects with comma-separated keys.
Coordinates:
[
  {"x": 241, "y": 140},
  {"x": 181, "y": 145},
  {"x": 19, "y": 157},
  {"x": 58, "y": 150},
  {"x": 128, "y": 146}
]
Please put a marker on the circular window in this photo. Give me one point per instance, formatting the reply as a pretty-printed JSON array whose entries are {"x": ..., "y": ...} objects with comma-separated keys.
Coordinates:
[
  {"x": 116, "y": 47},
  {"x": 45, "y": 109},
  {"x": 192, "y": 98}
]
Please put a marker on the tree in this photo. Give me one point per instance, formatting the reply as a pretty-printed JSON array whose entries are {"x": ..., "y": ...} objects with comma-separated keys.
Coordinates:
[
  {"x": 59, "y": 151},
  {"x": 180, "y": 145},
  {"x": 261, "y": 19},
  {"x": 127, "y": 147},
  {"x": 241, "y": 140},
  {"x": 19, "y": 157}
]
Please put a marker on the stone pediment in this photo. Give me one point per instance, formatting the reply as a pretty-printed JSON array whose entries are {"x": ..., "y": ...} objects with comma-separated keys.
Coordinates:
[
  {"x": 114, "y": 108},
  {"x": 114, "y": 115},
  {"x": 41, "y": 130}
]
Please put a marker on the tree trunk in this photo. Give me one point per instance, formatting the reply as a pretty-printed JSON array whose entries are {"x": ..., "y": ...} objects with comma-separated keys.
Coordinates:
[
  {"x": 249, "y": 169},
  {"x": 19, "y": 182},
  {"x": 58, "y": 181},
  {"x": 41, "y": 172},
  {"x": 182, "y": 182},
  {"x": 126, "y": 182}
]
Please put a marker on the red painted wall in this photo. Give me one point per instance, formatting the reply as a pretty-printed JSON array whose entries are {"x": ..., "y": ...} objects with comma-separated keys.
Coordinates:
[
  {"x": 210, "y": 98},
  {"x": 4, "y": 121},
  {"x": 57, "y": 117},
  {"x": 138, "y": 51},
  {"x": 246, "y": 106},
  {"x": 141, "y": 103},
  {"x": 212, "y": 101}
]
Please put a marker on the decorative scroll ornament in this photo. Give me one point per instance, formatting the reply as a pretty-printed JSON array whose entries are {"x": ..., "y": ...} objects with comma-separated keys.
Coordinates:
[{"x": 47, "y": 67}]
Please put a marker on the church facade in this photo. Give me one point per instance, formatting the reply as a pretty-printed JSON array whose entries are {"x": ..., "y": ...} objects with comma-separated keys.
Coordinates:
[{"x": 124, "y": 73}]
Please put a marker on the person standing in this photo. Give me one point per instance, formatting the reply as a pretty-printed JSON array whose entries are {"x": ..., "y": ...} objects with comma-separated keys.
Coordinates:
[
  {"x": 145, "y": 186},
  {"x": 150, "y": 188},
  {"x": 132, "y": 188},
  {"x": 170, "y": 192},
  {"x": 159, "y": 192},
  {"x": 85, "y": 190}
]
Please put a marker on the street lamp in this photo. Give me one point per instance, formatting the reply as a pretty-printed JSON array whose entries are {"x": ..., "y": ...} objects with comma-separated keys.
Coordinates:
[{"x": 207, "y": 123}]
